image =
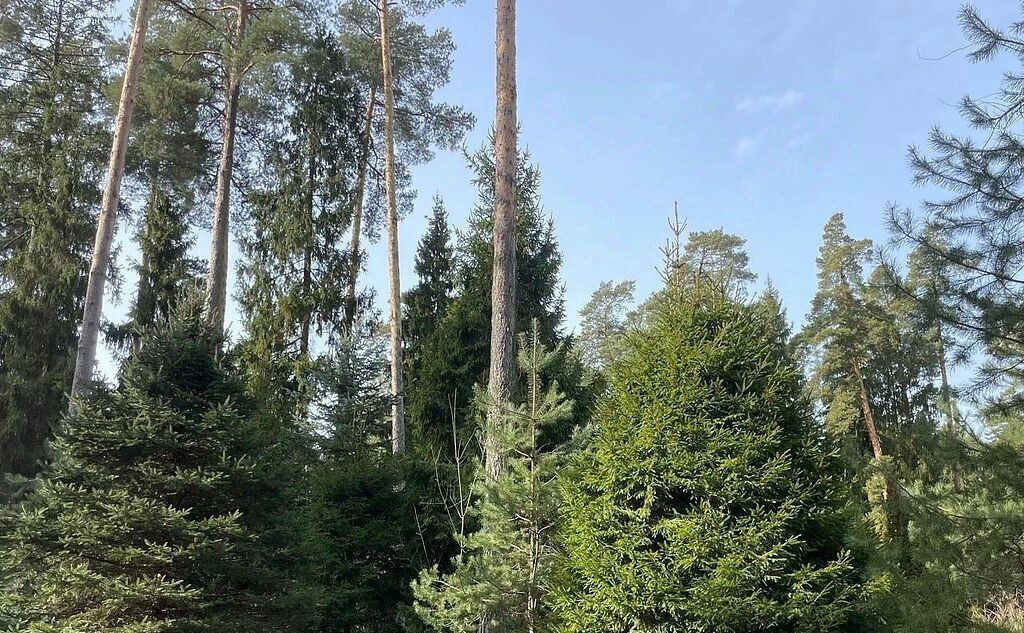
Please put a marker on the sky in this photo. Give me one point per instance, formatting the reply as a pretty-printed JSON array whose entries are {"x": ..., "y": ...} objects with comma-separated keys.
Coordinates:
[{"x": 761, "y": 117}]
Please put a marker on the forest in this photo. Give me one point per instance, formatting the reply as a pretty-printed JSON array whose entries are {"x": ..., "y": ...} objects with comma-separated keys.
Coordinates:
[{"x": 459, "y": 453}]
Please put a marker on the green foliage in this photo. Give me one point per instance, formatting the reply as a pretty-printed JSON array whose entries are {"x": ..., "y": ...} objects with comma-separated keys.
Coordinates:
[
  {"x": 53, "y": 150},
  {"x": 603, "y": 323},
  {"x": 422, "y": 63},
  {"x": 428, "y": 302},
  {"x": 708, "y": 501},
  {"x": 293, "y": 277},
  {"x": 502, "y": 576},
  {"x": 168, "y": 169},
  {"x": 360, "y": 522},
  {"x": 148, "y": 517}
]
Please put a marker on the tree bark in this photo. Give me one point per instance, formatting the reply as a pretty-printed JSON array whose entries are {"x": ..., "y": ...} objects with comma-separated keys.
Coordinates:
[
  {"x": 502, "y": 375},
  {"x": 869, "y": 414},
  {"x": 86, "y": 357},
  {"x": 397, "y": 386},
  {"x": 217, "y": 279},
  {"x": 869, "y": 421},
  {"x": 357, "y": 211}
]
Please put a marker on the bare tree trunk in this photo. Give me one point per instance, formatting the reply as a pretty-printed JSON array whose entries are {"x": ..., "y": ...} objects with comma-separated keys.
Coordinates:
[
  {"x": 869, "y": 414},
  {"x": 503, "y": 284},
  {"x": 86, "y": 358},
  {"x": 869, "y": 421},
  {"x": 217, "y": 278},
  {"x": 357, "y": 211},
  {"x": 397, "y": 386}
]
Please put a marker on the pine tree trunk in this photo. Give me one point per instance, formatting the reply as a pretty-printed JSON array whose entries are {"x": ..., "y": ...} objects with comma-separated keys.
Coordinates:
[
  {"x": 503, "y": 283},
  {"x": 217, "y": 279},
  {"x": 397, "y": 387},
  {"x": 869, "y": 414},
  {"x": 869, "y": 421},
  {"x": 86, "y": 358},
  {"x": 357, "y": 212}
]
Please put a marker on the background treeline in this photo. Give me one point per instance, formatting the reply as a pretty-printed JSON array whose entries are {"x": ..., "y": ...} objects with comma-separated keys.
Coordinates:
[{"x": 684, "y": 462}]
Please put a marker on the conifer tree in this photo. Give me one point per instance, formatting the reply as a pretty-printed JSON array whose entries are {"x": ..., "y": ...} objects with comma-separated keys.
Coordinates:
[
  {"x": 150, "y": 516},
  {"x": 708, "y": 501},
  {"x": 838, "y": 324},
  {"x": 972, "y": 233},
  {"x": 107, "y": 220},
  {"x": 168, "y": 167},
  {"x": 460, "y": 345},
  {"x": 501, "y": 579},
  {"x": 54, "y": 146},
  {"x": 501, "y": 379},
  {"x": 603, "y": 323},
  {"x": 427, "y": 303},
  {"x": 294, "y": 271},
  {"x": 422, "y": 63}
]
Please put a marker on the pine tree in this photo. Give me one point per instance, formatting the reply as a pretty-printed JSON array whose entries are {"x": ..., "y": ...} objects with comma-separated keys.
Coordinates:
[
  {"x": 973, "y": 233},
  {"x": 501, "y": 379},
  {"x": 603, "y": 323},
  {"x": 168, "y": 166},
  {"x": 708, "y": 501},
  {"x": 107, "y": 220},
  {"x": 501, "y": 579},
  {"x": 838, "y": 325},
  {"x": 422, "y": 63},
  {"x": 717, "y": 258},
  {"x": 50, "y": 167},
  {"x": 150, "y": 516},
  {"x": 242, "y": 39}
]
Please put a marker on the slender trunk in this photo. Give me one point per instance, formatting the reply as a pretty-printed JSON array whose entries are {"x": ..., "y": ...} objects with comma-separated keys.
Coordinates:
[
  {"x": 145, "y": 299},
  {"x": 503, "y": 283},
  {"x": 217, "y": 279},
  {"x": 869, "y": 421},
  {"x": 947, "y": 397},
  {"x": 357, "y": 211},
  {"x": 869, "y": 414},
  {"x": 397, "y": 387},
  {"x": 307, "y": 259},
  {"x": 86, "y": 359}
]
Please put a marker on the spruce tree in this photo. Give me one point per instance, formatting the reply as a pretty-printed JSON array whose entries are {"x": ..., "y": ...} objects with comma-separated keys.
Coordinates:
[
  {"x": 54, "y": 146},
  {"x": 708, "y": 501},
  {"x": 294, "y": 271},
  {"x": 503, "y": 574},
  {"x": 150, "y": 516},
  {"x": 428, "y": 301}
]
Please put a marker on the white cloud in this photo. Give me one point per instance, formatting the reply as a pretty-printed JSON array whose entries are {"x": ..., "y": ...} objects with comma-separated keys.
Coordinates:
[
  {"x": 773, "y": 102},
  {"x": 745, "y": 147}
]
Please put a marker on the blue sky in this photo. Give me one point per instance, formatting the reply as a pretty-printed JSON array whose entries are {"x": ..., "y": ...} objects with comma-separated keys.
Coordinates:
[{"x": 762, "y": 117}]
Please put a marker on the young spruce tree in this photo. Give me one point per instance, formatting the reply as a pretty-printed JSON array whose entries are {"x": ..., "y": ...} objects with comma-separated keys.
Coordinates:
[
  {"x": 148, "y": 518},
  {"x": 706, "y": 502},
  {"x": 501, "y": 580}
]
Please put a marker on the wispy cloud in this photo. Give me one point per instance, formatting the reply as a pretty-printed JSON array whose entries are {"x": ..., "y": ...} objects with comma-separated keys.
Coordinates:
[
  {"x": 771, "y": 102},
  {"x": 745, "y": 147}
]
